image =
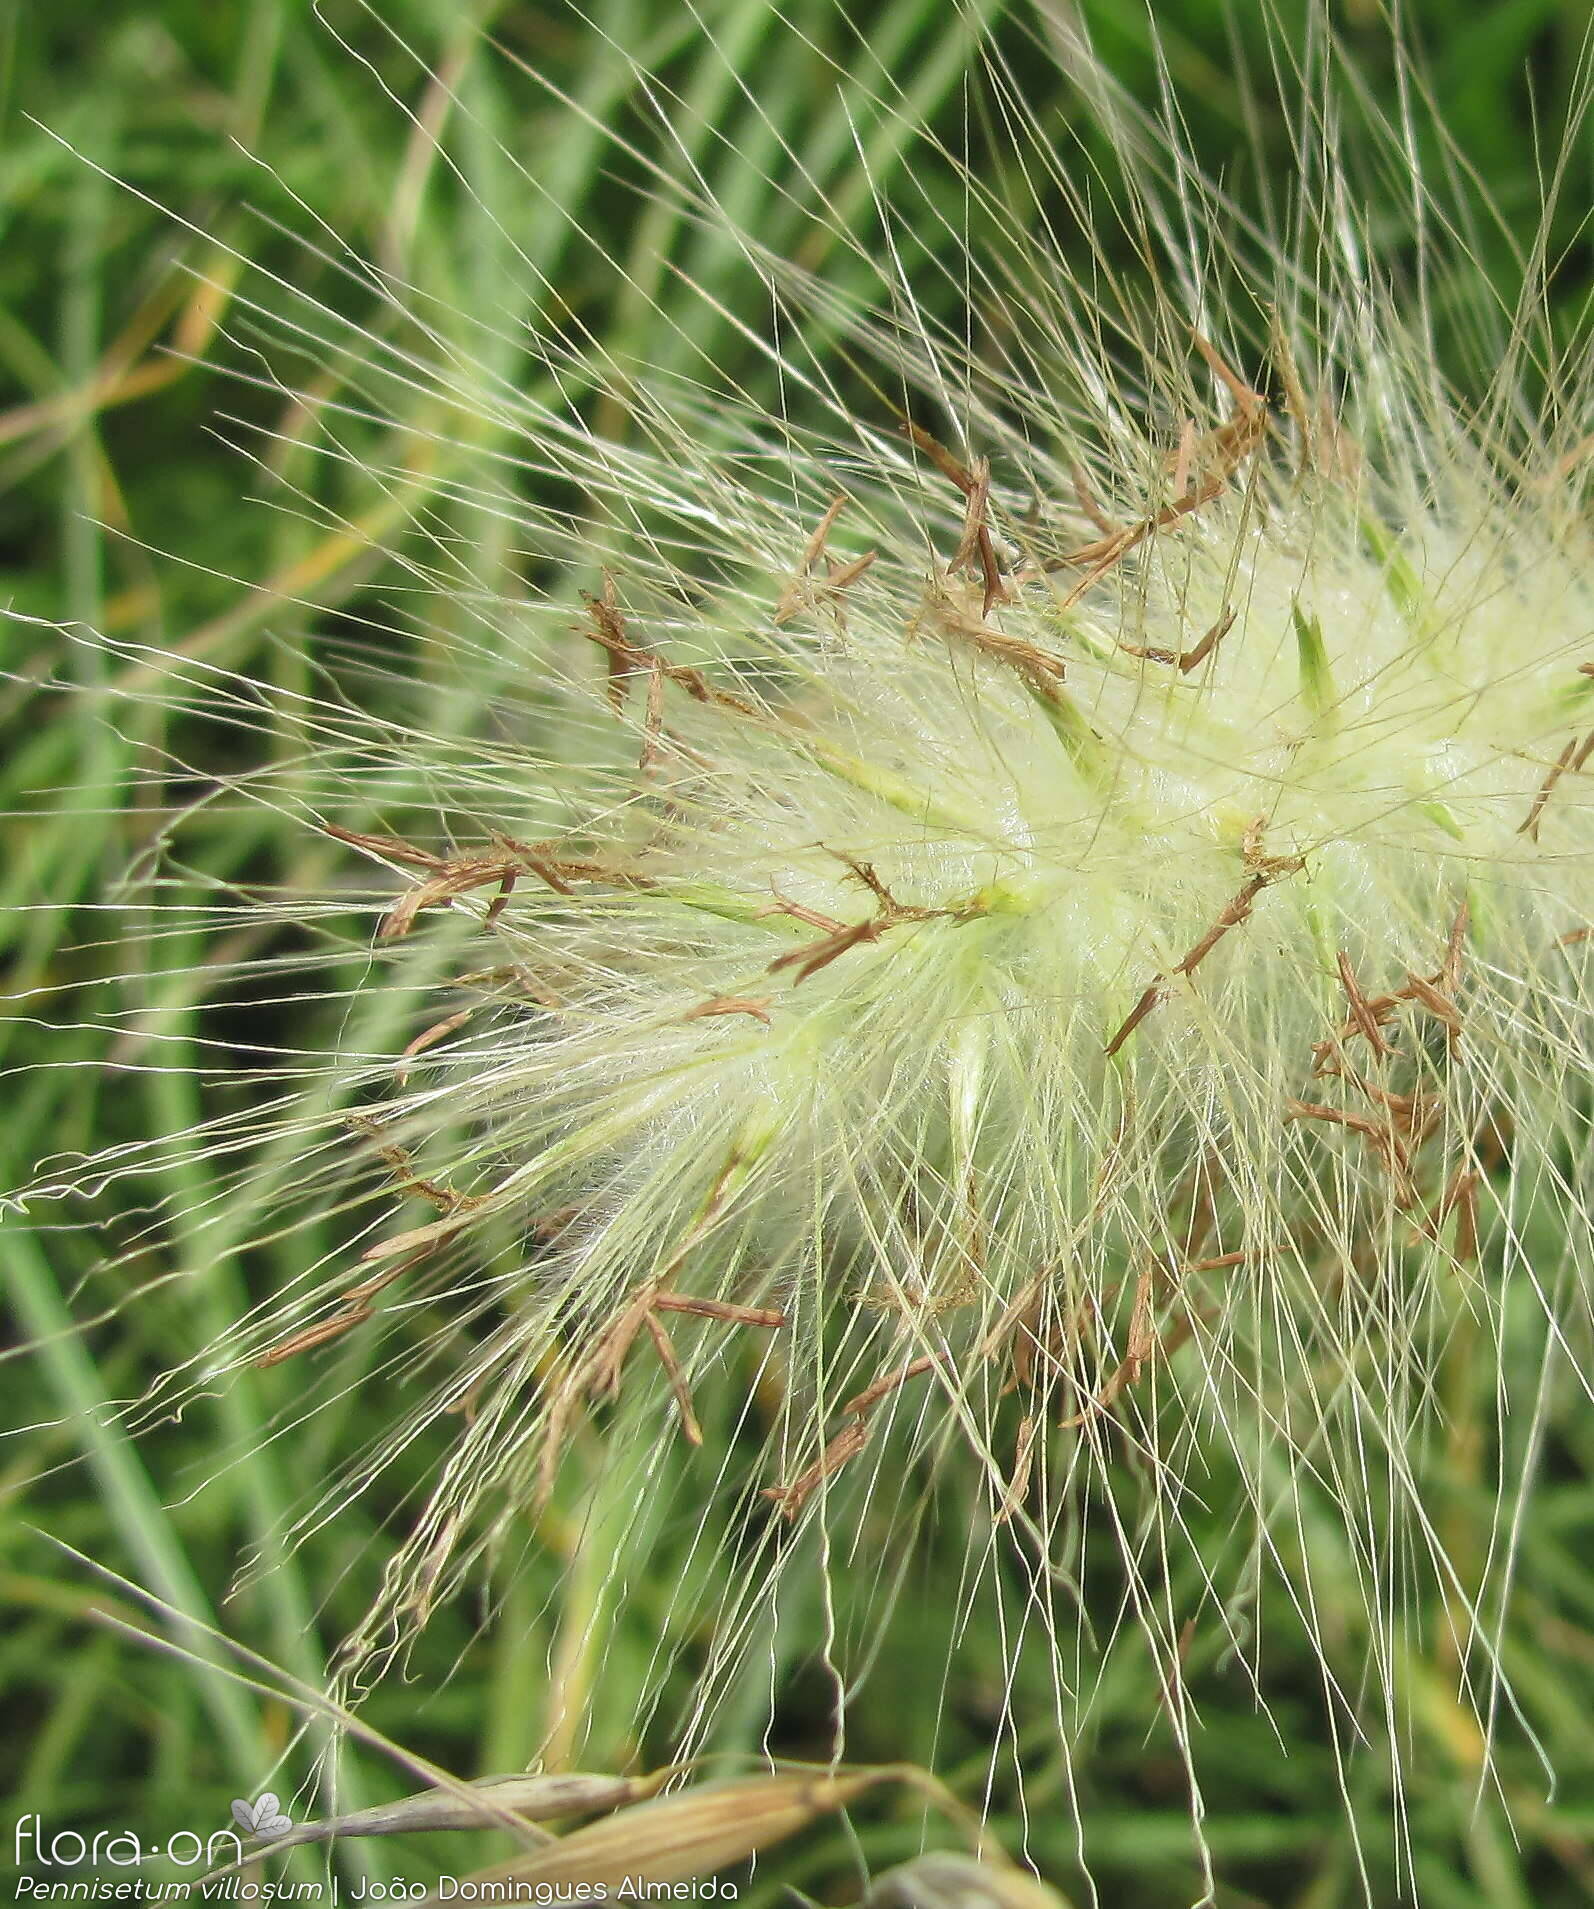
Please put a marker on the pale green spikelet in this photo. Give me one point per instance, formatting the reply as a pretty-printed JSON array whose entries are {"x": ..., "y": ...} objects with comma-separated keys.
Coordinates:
[{"x": 1025, "y": 971}]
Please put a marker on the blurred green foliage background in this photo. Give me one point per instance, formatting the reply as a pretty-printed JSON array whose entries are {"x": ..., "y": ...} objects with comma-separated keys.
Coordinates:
[{"x": 138, "y": 498}]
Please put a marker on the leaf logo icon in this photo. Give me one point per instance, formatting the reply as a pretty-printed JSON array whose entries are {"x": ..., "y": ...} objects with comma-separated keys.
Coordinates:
[{"x": 263, "y": 1817}]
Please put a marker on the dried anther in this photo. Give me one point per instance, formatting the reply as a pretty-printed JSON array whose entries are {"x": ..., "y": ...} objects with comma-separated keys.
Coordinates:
[
  {"x": 398, "y": 1161},
  {"x": 848, "y": 1442},
  {"x": 1219, "y": 455},
  {"x": 805, "y": 588},
  {"x": 1404, "y": 1122},
  {"x": 453, "y": 876},
  {"x": 1187, "y": 660},
  {"x": 1154, "y": 993},
  {"x": 1235, "y": 911},
  {"x": 596, "y": 1371},
  {"x": 690, "y": 1429},
  {"x": 864, "y": 1402},
  {"x": 439, "y": 1030},
  {"x": 609, "y": 630},
  {"x": 626, "y": 658},
  {"x": 755, "y": 1005},
  {"x": 1041, "y": 672},
  {"x": 1364, "y": 1016},
  {"x": 1023, "y": 1464},
  {"x": 319, "y": 1334},
  {"x": 1143, "y": 1343},
  {"x": 975, "y": 546},
  {"x": 837, "y": 937},
  {"x": 1029, "y": 1331},
  {"x": 721, "y": 1309},
  {"x": 356, "y": 1310},
  {"x": 814, "y": 955},
  {"x": 1570, "y": 761}
]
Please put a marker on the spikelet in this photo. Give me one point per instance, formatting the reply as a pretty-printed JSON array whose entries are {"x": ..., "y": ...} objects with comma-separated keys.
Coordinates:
[{"x": 1015, "y": 956}]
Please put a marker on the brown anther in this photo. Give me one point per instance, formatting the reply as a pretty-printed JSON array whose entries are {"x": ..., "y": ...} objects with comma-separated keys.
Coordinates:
[
  {"x": 814, "y": 548},
  {"x": 1041, "y": 672},
  {"x": 814, "y": 955},
  {"x": 1203, "y": 650},
  {"x": 610, "y": 627},
  {"x": 1222, "y": 451},
  {"x": 1142, "y": 1344},
  {"x": 1449, "y": 975},
  {"x": 721, "y": 1309},
  {"x": 387, "y": 846},
  {"x": 1247, "y": 402},
  {"x": 1258, "y": 860},
  {"x": 841, "y": 576},
  {"x": 503, "y": 862},
  {"x": 1089, "y": 508},
  {"x": 1334, "y": 1116},
  {"x": 1362, "y": 1014},
  {"x": 1461, "y": 1198},
  {"x": 312, "y": 1336},
  {"x": 803, "y": 587},
  {"x": 1184, "y": 458},
  {"x": 847, "y": 1443},
  {"x": 413, "y": 1239},
  {"x": 626, "y": 658},
  {"x": 500, "y": 901},
  {"x": 439, "y": 1030},
  {"x": 690, "y": 1429},
  {"x": 867, "y": 875},
  {"x": 596, "y": 1372},
  {"x": 453, "y": 879},
  {"x": 547, "y": 1230},
  {"x": 1563, "y": 762},
  {"x": 1142, "y": 1329},
  {"x": 1295, "y": 401},
  {"x": 652, "y": 721},
  {"x": 1171, "y": 1676},
  {"x": 1153, "y": 994},
  {"x": 1019, "y": 1331},
  {"x": 1136, "y": 1014},
  {"x": 368, "y": 1289},
  {"x": 419, "y": 1599},
  {"x": 465, "y": 1406},
  {"x": 756, "y": 1006},
  {"x": 975, "y": 544},
  {"x": 1200, "y": 1190},
  {"x": 398, "y": 1161},
  {"x": 1023, "y": 1463},
  {"x": 515, "y": 973},
  {"x": 945, "y": 462},
  {"x": 799, "y": 911},
  {"x": 1412, "y": 1118},
  {"x": 1438, "y": 1004},
  {"x": 865, "y": 1401},
  {"x": 605, "y": 1362},
  {"x": 1102, "y": 556},
  {"x": 1235, "y": 911},
  {"x": 1186, "y": 660},
  {"x": 1387, "y": 1144},
  {"x": 1339, "y": 454}
]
